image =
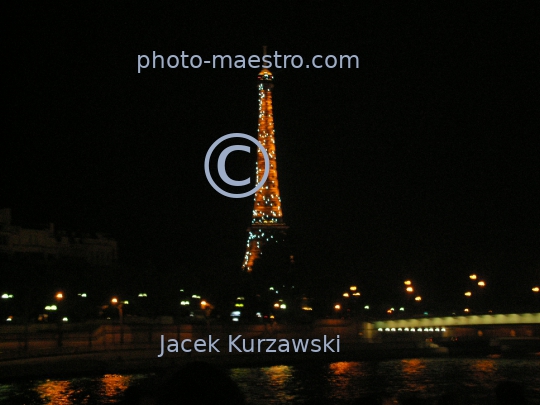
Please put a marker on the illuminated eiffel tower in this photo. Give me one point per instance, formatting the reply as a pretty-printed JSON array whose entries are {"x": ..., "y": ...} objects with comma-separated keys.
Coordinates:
[{"x": 267, "y": 227}]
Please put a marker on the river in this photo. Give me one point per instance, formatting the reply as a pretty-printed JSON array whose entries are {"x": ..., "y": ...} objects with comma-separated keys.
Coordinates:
[{"x": 336, "y": 383}]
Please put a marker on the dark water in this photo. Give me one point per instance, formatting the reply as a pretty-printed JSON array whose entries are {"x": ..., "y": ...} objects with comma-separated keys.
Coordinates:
[{"x": 336, "y": 382}]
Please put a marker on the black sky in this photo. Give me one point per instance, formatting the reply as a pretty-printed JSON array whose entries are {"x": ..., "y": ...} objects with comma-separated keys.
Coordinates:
[{"x": 421, "y": 163}]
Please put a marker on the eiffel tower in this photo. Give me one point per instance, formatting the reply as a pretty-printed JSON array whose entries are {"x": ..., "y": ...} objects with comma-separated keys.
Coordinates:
[{"x": 267, "y": 230}]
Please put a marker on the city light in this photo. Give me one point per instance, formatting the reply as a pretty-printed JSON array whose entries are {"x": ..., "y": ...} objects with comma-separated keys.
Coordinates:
[
  {"x": 184, "y": 302},
  {"x": 366, "y": 307},
  {"x": 337, "y": 307},
  {"x": 142, "y": 295},
  {"x": 307, "y": 308},
  {"x": 472, "y": 276},
  {"x": 276, "y": 305},
  {"x": 83, "y": 295},
  {"x": 466, "y": 310},
  {"x": 356, "y": 294},
  {"x": 51, "y": 308},
  {"x": 346, "y": 295},
  {"x": 353, "y": 288},
  {"x": 114, "y": 300},
  {"x": 6, "y": 296},
  {"x": 481, "y": 283},
  {"x": 468, "y": 294},
  {"x": 407, "y": 282},
  {"x": 418, "y": 298},
  {"x": 535, "y": 289},
  {"x": 59, "y": 296},
  {"x": 283, "y": 306},
  {"x": 409, "y": 289}
]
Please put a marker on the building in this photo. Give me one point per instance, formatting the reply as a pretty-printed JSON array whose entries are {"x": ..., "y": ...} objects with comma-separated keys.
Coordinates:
[
  {"x": 47, "y": 243},
  {"x": 267, "y": 226}
]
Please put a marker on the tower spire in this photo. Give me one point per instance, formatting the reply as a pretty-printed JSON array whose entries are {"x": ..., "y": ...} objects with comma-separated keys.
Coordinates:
[{"x": 267, "y": 219}]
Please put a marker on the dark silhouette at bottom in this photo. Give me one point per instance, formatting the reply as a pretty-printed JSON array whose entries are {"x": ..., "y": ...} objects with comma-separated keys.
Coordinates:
[
  {"x": 510, "y": 393},
  {"x": 195, "y": 383}
]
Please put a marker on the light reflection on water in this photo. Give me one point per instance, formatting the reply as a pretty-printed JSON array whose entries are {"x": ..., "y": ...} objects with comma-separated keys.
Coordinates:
[{"x": 338, "y": 382}]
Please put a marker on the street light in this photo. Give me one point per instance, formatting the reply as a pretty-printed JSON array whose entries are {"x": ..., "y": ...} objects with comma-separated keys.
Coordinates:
[
  {"x": 346, "y": 294},
  {"x": 353, "y": 288},
  {"x": 536, "y": 289},
  {"x": 407, "y": 282},
  {"x": 59, "y": 296},
  {"x": 114, "y": 301},
  {"x": 409, "y": 289},
  {"x": 472, "y": 276},
  {"x": 468, "y": 294},
  {"x": 481, "y": 283},
  {"x": 418, "y": 298}
]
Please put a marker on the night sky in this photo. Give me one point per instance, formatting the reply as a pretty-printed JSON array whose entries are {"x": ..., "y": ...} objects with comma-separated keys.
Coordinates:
[{"x": 422, "y": 163}]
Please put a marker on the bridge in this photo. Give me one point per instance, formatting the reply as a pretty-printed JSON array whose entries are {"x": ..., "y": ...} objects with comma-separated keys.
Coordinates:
[{"x": 492, "y": 325}]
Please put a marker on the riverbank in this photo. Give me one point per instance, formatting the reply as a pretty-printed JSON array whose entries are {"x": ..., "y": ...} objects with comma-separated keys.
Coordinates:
[{"x": 146, "y": 360}]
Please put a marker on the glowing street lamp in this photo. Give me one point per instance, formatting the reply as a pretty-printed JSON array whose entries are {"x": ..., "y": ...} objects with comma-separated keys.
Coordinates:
[
  {"x": 407, "y": 282},
  {"x": 468, "y": 294},
  {"x": 418, "y": 298},
  {"x": 472, "y": 276},
  {"x": 536, "y": 289},
  {"x": 337, "y": 307},
  {"x": 353, "y": 288},
  {"x": 466, "y": 310},
  {"x": 59, "y": 296},
  {"x": 409, "y": 289},
  {"x": 481, "y": 283},
  {"x": 346, "y": 295},
  {"x": 120, "y": 305}
]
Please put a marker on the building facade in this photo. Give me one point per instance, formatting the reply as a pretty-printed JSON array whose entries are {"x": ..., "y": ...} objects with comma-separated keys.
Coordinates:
[{"x": 47, "y": 243}]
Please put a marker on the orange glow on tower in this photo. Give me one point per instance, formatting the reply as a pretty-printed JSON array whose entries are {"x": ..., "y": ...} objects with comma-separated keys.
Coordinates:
[{"x": 267, "y": 214}]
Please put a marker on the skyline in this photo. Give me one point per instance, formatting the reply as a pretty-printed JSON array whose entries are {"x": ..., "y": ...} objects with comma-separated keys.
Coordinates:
[{"x": 422, "y": 164}]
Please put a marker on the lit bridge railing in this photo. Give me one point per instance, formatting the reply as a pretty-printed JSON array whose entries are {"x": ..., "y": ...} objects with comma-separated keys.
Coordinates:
[{"x": 448, "y": 321}]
